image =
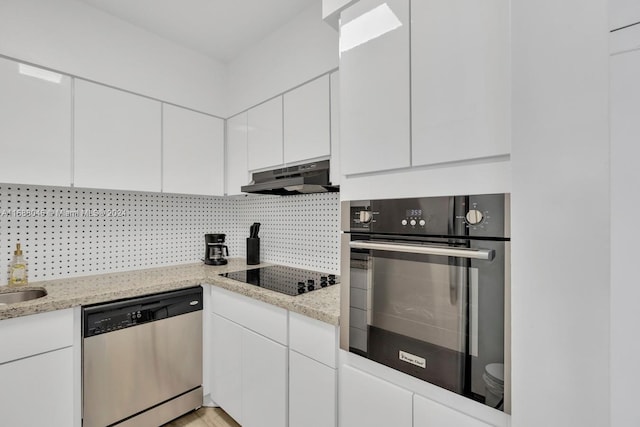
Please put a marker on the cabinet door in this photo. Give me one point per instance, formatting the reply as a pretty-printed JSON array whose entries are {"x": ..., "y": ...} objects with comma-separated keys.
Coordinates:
[
  {"x": 192, "y": 152},
  {"x": 460, "y": 80},
  {"x": 35, "y": 135},
  {"x": 226, "y": 366},
  {"x": 264, "y": 381},
  {"x": 265, "y": 135},
  {"x": 335, "y": 128},
  {"x": 307, "y": 133},
  {"x": 38, "y": 390},
  {"x": 374, "y": 86},
  {"x": 369, "y": 401},
  {"x": 312, "y": 393},
  {"x": 237, "y": 169},
  {"x": 116, "y": 139},
  {"x": 623, "y": 13},
  {"x": 427, "y": 413}
]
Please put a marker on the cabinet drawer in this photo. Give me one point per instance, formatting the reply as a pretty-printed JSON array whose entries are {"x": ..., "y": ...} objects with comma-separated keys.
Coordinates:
[
  {"x": 427, "y": 413},
  {"x": 313, "y": 338},
  {"x": 38, "y": 333},
  {"x": 366, "y": 400},
  {"x": 263, "y": 318}
]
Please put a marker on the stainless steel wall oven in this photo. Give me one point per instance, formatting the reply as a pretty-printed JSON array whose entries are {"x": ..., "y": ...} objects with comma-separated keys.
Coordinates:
[{"x": 424, "y": 285}]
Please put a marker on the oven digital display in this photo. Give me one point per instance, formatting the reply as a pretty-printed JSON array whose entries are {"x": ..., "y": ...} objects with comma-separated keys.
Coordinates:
[{"x": 414, "y": 212}]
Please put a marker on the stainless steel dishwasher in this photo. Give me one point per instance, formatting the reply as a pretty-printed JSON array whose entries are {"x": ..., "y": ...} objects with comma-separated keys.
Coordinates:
[{"x": 142, "y": 359}]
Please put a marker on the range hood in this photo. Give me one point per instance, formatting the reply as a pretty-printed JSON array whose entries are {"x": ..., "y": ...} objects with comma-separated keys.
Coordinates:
[{"x": 301, "y": 179}]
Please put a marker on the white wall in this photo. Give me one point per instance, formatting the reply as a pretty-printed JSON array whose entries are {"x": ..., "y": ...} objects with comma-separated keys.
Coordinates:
[
  {"x": 560, "y": 214},
  {"x": 300, "y": 50},
  {"x": 77, "y": 39},
  {"x": 625, "y": 176}
]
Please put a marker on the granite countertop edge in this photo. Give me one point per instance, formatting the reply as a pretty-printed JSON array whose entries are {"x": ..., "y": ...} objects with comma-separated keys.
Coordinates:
[{"x": 322, "y": 304}]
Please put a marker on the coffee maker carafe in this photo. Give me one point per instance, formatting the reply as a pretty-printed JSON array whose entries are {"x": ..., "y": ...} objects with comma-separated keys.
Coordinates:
[{"x": 215, "y": 249}]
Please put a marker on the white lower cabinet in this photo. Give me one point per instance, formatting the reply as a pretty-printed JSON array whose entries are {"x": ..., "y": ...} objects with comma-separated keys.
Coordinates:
[
  {"x": 366, "y": 400},
  {"x": 46, "y": 379},
  {"x": 312, "y": 372},
  {"x": 264, "y": 381},
  {"x": 427, "y": 413},
  {"x": 270, "y": 367},
  {"x": 249, "y": 369},
  {"x": 226, "y": 366},
  {"x": 312, "y": 392},
  {"x": 37, "y": 365},
  {"x": 248, "y": 375}
]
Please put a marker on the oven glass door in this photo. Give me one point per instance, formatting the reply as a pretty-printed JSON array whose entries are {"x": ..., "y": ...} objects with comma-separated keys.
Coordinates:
[{"x": 422, "y": 308}]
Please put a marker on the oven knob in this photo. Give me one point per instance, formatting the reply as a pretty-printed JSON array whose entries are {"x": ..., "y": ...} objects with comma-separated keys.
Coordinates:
[
  {"x": 365, "y": 217},
  {"x": 413, "y": 222},
  {"x": 404, "y": 222},
  {"x": 422, "y": 223},
  {"x": 474, "y": 217}
]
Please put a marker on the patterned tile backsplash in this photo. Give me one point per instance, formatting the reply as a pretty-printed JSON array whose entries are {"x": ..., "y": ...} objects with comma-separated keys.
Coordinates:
[{"x": 68, "y": 232}]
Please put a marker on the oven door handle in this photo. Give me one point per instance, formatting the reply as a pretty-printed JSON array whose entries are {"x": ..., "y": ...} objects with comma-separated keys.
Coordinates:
[{"x": 484, "y": 254}]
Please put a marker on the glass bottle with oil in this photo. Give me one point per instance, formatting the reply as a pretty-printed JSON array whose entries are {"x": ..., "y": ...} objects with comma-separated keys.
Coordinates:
[{"x": 18, "y": 268}]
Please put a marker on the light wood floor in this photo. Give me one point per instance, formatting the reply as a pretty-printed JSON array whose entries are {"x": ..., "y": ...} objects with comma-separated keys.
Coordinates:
[{"x": 204, "y": 417}]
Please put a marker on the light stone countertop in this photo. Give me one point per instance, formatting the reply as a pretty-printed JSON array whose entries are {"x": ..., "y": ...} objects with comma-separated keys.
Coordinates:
[{"x": 322, "y": 304}]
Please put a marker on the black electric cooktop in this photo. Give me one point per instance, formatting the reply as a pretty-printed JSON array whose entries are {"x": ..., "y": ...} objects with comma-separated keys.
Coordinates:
[{"x": 286, "y": 280}]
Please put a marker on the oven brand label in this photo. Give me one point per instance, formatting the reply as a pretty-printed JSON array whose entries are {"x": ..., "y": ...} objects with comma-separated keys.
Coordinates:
[{"x": 412, "y": 358}]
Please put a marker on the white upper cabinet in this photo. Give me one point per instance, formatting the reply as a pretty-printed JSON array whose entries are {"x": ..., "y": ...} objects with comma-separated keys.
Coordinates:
[
  {"x": 460, "y": 80},
  {"x": 307, "y": 129},
  {"x": 192, "y": 152},
  {"x": 335, "y": 128},
  {"x": 35, "y": 134},
  {"x": 623, "y": 13},
  {"x": 117, "y": 142},
  {"x": 265, "y": 135},
  {"x": 375, "y": 86},
  {"x": 237, "y": 169}
]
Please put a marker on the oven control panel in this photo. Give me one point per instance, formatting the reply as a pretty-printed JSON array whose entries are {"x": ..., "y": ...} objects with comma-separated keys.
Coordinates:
[
  {"x": 412, "y": 216},
  {"x": 479, "y": 215}
]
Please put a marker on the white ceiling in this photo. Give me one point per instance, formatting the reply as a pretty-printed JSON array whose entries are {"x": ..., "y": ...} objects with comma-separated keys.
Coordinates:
[{"x": 220, "y": 29}]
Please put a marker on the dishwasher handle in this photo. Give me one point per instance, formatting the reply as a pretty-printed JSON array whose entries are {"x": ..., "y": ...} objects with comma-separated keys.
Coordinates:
[{"x": 482, "y": 254}]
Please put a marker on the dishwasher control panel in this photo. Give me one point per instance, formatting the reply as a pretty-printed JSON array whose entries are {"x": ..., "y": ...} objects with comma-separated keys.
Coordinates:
[{"x": 111, "y": 317}]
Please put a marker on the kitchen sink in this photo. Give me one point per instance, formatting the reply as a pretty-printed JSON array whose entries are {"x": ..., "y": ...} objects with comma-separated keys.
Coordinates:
[{"x": 21, "y": 295}]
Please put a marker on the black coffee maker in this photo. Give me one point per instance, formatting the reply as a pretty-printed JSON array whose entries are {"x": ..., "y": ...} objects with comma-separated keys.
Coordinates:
[{"x": 215, "y": 249}]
